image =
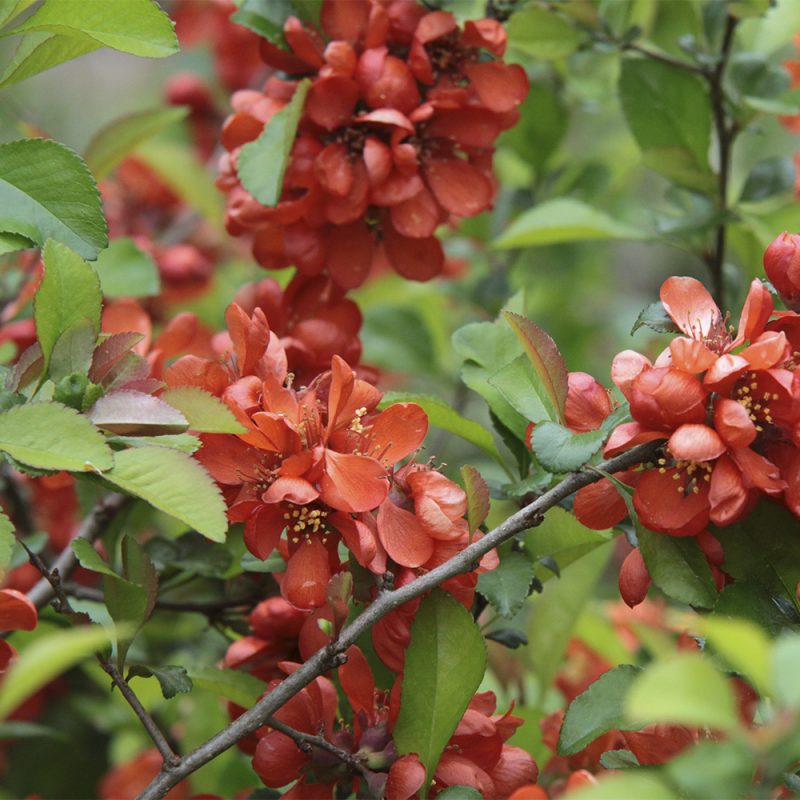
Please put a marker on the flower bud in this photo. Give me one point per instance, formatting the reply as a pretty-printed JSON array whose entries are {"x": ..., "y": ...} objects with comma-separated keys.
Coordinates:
[
  {"x": 782, "y": 265},
  {"x": 634, "y": 579}
]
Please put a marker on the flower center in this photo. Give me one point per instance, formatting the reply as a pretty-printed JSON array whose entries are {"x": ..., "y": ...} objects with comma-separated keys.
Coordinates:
[
  {"x": 688, "y": 474},
  {"x": 304, "y": 521},
  {"x": 755, "y": 401}
]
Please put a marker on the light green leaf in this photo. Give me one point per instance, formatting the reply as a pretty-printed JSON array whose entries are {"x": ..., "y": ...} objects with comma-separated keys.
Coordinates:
[
  {"x": 181, "y": 171},
  {"x": 508, "y": 585},
  {"x": 678, "y": 567},
  {"x": 68, "y": 295},
  {"x": 44, "y": 659},
  {"x": 7, "y": 542},
  {"x": 138, "y": 27},
  {"x": 596, "y": 710},
  {"x": 238, "y": 687},
  {"x": 90, "y": 559},
  {"x": 11, "y": 242},
  {"x": 173, "y": 680},
  {"x": 628, "y": 784},
  {"x": 38, "y": 52},
  {"x": 11, "y": 8},
  {"x": 47, "y": 192},
  {"x": 444, "y": 666},
  {"x": 260, "y": 164},
  {"x": 685, "y": 690},
  {"x": 443, "y": 416},
  {"x": 562, "y": 220},
  {"x": 669, "y": 113},
  {"x": 558, "y": 449},
  {"x": 520, "y": 387},
  {"x": 204, "y": 412},
  {"x": 127, "y": 604},
  {"x": 785, "y": 658},
  {"x": 73, "y": 350},
  {"x": 744, "y": 646},
  {"x": 542, "y": 33},
  {"x": 127, "y": 271},
  {"x": 52, "y": 436},
  {"x": 119, "y": 137},
  {"x": 174, "y": 483}
]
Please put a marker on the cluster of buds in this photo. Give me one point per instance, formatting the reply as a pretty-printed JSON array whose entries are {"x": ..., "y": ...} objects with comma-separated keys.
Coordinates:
[{"x": 396, "y": 137}]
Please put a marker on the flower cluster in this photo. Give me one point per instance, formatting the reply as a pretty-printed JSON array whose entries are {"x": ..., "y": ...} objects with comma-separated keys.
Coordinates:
[
  {"x": 396, "y": 138},
  {"x": 725, "y": 401}
]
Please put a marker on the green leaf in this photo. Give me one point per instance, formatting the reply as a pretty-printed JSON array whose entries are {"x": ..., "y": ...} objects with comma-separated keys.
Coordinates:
[
  {"x": 560, "y": 450},
  {"x": 11, "y": 242},
  {"x": 184, "y": 442},
  {"x": 618, "y": 759},
  {"x": 678, "y": 567},
  {"x": 478, "y": 501},
  {"x": 11, "y": 8},
  {"x": 138, "y": 27},
  {"x": 520, "y": 388},
  {"x": 179, "y": 168},
  {"x": 47, "y": 192},
  {"x": 508, "y": 586},
  {"x": 556, "y": 612},
  {"x": 38, "y": 52},
  {"x": 767, "y": 178},
  {"x": 460, "y": 793},
  {"x": 685, "y": 690},
  {"x": 16, "y": 729},
  {"x": 73, "y": 350},
  {"x": 669, "y": 114},
  {"x": 562, "y": 220},
  {"x": 774, "y": 560},
  {"x": 749, "y": 599},
  {"x": 656, "y": 318},
  {"x": 628, "y": 784},
  {"x": 173, "y": 680},
  {"x": 596, "y": 710},
  {"x": 205, "y": 413},
  {"x": 561, "y": 537},
  {"x": 127, "y": 604},
  {"x": 128, "y": 412},
  {"x": 267, "y": 17},
  {"x": 545, "y": 359},
  {"x": 238, "y": 687},
  {"x": 7, "y": 542},
  {"x": 90, "y": 559},
  {"x": 744, "y": 646},
  {"x": 713, "y": 769},
  {"x": 191, "y": 553},
  {"x": 119, "y": 137},
  {"x": 542, "y": 34},
  {"x": 444, "y": 666},
  {"x": 52, "y": 436},
  {"x": 174, "y": 483},
  {"x": 784, "y": 661},
  {"x": 127, "y": 271},
  {"x": 443, "y": 416},
  {"x": 44, "y": 659},
  {"x": 139, "y": 569},
  {"x": 68, "y": 296},
  {"x": 260, "y": 164}
]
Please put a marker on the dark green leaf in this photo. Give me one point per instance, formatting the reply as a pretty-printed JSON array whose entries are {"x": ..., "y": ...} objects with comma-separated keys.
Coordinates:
[
  {"x": 11, "y": 242},
  {"x": 90, "y": 559},
  {"x": 508, "y": 586},
  {"x": 260, "y": 164},
  {"x": 562, "y": 220},
  {"x": 618, "y": 759},
  {"x": 127, "y": 271},
  {"x": 174, "y": 483},
  {"x": 460, "y": 793},
  {"x": 7, "y": 542},
  {"x": 656, "y": 318},
  {"x": 478, "y": 502},
  {"x": 47, "y": 192},
  {"x": 17, "y": 729},
  {"x": 127, "y": 604},
  {"x": 749, "y": 599},
  {"x": 138, "y": 568},
  {"x": 52, "y": 436},
  {"x": 713, "y": 769},
  {"x": 238, "y": 687},
  {"x": 560, "y": 450},
  {"x": 767, "y": 178},
  {"x": 678, "y": 567},
  {"x": 669, "y": 114},
  {"x": 444, "y": 666},
  {"x": 191, "y": 553},
  {"x": 173, "y": 680},
  {"x": 139, "y": 27},
  {"x": 273, "y": 563},
  {"x": 118, "y": 138},
  {"x": 596, "y": 710}
]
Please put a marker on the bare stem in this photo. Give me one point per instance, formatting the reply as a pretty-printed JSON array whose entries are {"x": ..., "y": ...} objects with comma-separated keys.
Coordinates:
[
  {"x": 94, "y": 525},
  {"x": 333, "y": 654}
]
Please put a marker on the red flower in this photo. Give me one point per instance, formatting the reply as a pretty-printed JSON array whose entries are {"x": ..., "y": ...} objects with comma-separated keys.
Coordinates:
[{"x": 782, "y": 265}]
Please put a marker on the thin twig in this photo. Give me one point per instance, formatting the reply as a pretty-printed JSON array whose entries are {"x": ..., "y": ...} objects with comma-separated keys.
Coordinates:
[
  {"x": 725, "y": 137},
  {"x": 149, "y": 724},
  {"x": 197, "y": 607},
  {"x": 93, "y": 526},
  {"x": 665, "y": 58},
  {"x": 306, "y": 742},
  {"x": 333, "y": 654}
]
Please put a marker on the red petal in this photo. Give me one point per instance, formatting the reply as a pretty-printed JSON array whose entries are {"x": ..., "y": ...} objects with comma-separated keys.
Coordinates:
[
  {"x": 17, "y": 612},
  {"x": 500, "y": 87},
  {"x": 728, "y": 496},
  {"x": 634, "y": 579},
  {"x": 665, "y": 510},
  {"x": 732, "y": 422},
  {"x": 292, "y": 490},
  {"x": 406, "y": 777},
  {"x": 758, "y": 471},
  {"x": 351, "y": 249},
  {"x": 229, "y": 460},
  {"x": 279, "y": 433},
  {"x": 333, "y": 169},
  {"x": 755, "y": 313},
  {"x": 397, "y": 432},
  {"x": 278, "y": 760},
  {"x": 696, "y": 443},
  {"x": 306, "y": 43},
  {"x": 599, "y": 505},
  {"x": 690, "y": 305},
  {"x": 415, "y": 259},
  {"x": 691, "y": 355},
  {"x": 459, "y": 187},
  {"x": 307, "y": 574},
  {"x": 770, "y": 349},
  {"x": 404, "y": 538},
  {"x": 331, "y": 101},
  {"x": 262, "y": 532},
  {"x": 358, "y": 682},
  {"x": 469, "y": 128},
  {"x": 346, "y": 21},
  {"x": 353, "y": 483},
  {"x": 416, "y": 217},
  {"x": 377, "y": 159},
  {"x": 626, "y": 368}
]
